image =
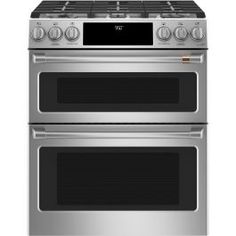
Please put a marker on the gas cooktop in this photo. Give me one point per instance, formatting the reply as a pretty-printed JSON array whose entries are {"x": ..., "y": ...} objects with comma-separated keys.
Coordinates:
[
  {"x": 118, "y": 9},
  {"x": 118, "y": 24}
]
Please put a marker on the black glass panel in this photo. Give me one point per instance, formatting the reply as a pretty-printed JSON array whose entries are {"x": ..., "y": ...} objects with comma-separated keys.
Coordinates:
[
  {"x": 118, "y": 34},
  {"x": 118, "y": 92},
  {"x": 117, "y": 178}
]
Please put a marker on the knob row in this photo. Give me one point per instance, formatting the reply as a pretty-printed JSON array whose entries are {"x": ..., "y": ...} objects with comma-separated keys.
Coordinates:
[
  {"x": 180, "y": 33},
  {"x": 55, "y": 33}
]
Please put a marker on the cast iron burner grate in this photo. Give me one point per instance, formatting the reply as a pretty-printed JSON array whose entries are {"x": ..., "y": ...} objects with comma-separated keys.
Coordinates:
[{"x": 118, "y": 9}]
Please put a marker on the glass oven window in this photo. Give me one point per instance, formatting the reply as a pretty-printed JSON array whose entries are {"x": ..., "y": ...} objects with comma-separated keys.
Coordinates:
[
  {"x": 121, "y": 178},
  {"x": 104, "y": 92}
]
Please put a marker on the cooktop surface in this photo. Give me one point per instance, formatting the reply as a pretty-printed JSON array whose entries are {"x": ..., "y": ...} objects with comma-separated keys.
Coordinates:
[{"x": 118, "y": 9}]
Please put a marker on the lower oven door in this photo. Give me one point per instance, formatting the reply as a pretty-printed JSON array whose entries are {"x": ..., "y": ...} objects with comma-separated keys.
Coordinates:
[
  {"x": 108, "y": 86},
  {"x": 118, "y": 180}
]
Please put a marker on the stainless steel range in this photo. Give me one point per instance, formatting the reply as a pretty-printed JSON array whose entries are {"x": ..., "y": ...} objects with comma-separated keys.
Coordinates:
[{"x": 118, "y": 118}]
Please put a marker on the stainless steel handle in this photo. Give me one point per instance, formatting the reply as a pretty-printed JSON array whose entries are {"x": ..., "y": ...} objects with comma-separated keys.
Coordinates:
[
  {"x": 42, "y": 134},
  {"x": 191, "y": 59}
]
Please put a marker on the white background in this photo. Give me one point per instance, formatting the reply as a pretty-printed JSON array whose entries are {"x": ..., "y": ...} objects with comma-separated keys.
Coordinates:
[{"x": 14, "y": 16}]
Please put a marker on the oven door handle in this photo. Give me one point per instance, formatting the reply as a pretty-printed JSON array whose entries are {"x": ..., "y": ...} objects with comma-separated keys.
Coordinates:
[
  {"x": 196, "y": 133},
  {"x": 191, "y": 59}
]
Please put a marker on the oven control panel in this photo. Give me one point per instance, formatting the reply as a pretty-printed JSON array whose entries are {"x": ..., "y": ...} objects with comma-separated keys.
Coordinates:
[
  {"x": 55, "y": 33},
  {"x": 180, "y": 33},
  {"x": 161, "y": 33}
]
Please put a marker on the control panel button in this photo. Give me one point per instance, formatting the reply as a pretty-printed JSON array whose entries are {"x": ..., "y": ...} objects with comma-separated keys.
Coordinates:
[
  {"x": 38, "y": 33},
  {"x": 55, "y": 33},
  {"x": 72, "y": 33},
  {"x": 197, "y": 33},
  {"x": 181, "y": 33},
  {"x": 164, "y": 33}
]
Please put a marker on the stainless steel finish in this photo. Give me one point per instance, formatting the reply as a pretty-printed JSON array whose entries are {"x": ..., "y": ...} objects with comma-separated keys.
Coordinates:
[
  {"x": 38, "y": 33},
  {"x": 119, "y": 61},
  {"x": 133, "y": 129},
  {"x": 192, "y": 59},
  {"x": 43, "y": 134},
  {"x": 72, "y": 33},
  {"x": 164, "y": 33},
  {"x": 125, "y": 223},
  {"x": 181, "y": 33},
  {"x": 197, "y": 33},
  {"x": 55, "y": 33},
  {"x": 172, "y": 24}
]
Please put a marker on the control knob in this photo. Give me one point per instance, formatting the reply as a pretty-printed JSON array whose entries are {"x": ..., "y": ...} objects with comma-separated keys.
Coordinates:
[
  {"x": 72, "y": 33},
  {"x": 38, "y": 33},
  {"x": 164, "y": 33},
  {"x": 55, "y": 33},
  {"x": 181, "y": 33},
  {"x": 197, "y": 33}
]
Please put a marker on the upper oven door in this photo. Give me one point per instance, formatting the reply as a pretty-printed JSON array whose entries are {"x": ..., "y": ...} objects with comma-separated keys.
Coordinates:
[{"x": 106, "y": 86}]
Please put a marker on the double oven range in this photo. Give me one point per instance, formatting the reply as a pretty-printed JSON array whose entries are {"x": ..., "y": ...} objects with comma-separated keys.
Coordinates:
[{"x": 118, "y": 118}]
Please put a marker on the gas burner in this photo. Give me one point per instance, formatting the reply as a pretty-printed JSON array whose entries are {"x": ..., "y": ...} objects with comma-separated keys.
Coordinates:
[
  {"x": 177, "y": 15},
  {"x": 64, "y": 15}
]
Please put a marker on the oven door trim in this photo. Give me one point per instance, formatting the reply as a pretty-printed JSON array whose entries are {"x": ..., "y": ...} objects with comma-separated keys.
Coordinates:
[
  {"x": 156, "y": 61},
  {"x": 110, "y": 222}
]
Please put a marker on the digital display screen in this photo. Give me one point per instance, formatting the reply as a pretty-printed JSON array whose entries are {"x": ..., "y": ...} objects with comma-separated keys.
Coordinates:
[{"x": 118, "y": 34}]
